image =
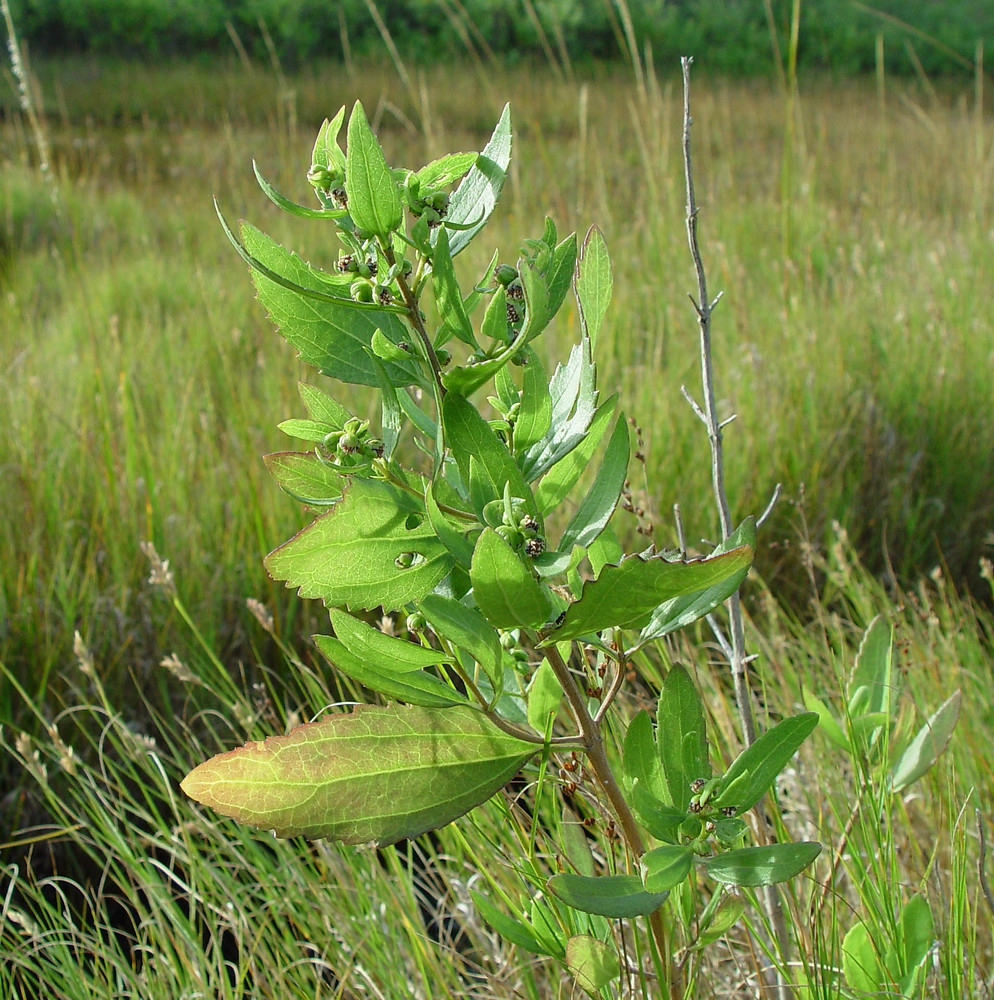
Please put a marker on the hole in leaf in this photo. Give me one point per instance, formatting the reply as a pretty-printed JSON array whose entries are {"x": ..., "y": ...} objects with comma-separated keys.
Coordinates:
[
  {"x": 409, "y": 560},
  {"x": 413, "y": 521}
]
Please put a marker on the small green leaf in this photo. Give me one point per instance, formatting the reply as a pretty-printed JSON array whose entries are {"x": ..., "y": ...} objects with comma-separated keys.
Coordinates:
[
  {"x": 916, "y": 933},
  {"x": 466, "y": 629},
  {"x": 727, "y": 916},
  {"x": 559, "y": 275},
  {"x": 624, "y": 596},
  {"x": 459, "y": 546},
  {"x": 827, "y": 722},
  {"x": 305, "y": 477},
  {"x": 507, "y": 927},
  {"x": 665, "y": 867},
  {"x": 326, "y": 152},
  {"x": 503, "y": 586},
  {"x": 544, "y": 695},
  {"x": 472, "y": 440},
  {"x": 415, "y": 687},
  {"x": 291, "y": 206},
  {"x": 375, "y": 774},
  {"x": 305, "y": 430},
  {"x": 766, "y": 758},
  {"x": 607, "y": 895},
  {"x": 596, "y": 508},
  {"x": 387, "y": 652},
  {"x": 476, "y": 197},
  {"x": 535, "y": 410},
  {"x": 640, "y": 758},
  {"x": 448, "y": 297},
  {"x": 927, "y": 746},
  {"x": 445, "y": 170},
  {"x": 873, "y": 667},
  {"x": 374, "y": 202},
  {"x": 662, "y": 820},
  {"x": 573, "y": 389},
  {"x": 593, "y": 283},
  {"x": 683, "y": 749},
  {"x": 754, "y": 866},
  {"x": 387, "y": 350},
  {"x": 860, "y": 962},
  {"x": 321, "y": 406},
  {"x": 592, "y": 962},
  {"x": 557, "y": 483},
  {"x": 373, "y": 548}
]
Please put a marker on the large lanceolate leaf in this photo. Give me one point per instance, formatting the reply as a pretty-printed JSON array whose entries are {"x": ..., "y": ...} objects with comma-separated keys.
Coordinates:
[
  {"x": 332, "y": 336},
  {"x": 376, "y": 774},
  {"x": 374, "y": 548},
  {"x": 683, "y": 748},
  {"x": 625, "y": 595},
  {"x": 374, "y": 202},
  {"x": 754, "y": 866},
  {"x": 476, "y": 197},
  {"x": 607, "y": 895}
]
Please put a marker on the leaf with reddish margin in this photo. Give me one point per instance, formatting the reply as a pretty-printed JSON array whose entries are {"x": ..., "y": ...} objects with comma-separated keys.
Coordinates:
[{"x": 378, "y": 773}]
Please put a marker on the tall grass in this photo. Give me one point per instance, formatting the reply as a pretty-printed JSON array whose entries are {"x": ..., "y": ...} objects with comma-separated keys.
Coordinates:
[{"x": 142, "y": 384}]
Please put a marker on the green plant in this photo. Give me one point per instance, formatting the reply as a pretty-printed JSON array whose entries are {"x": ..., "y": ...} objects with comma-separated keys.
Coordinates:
[{"x": 520, "y": 630}]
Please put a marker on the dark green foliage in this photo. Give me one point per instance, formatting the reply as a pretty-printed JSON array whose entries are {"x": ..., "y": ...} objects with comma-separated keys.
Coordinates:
[{"x": 836, "y": 35}]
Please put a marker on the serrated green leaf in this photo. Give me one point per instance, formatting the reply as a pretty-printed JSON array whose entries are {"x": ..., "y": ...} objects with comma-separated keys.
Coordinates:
[
  {"x": 414, "y": 687},
  {"x": 766, "y": 758},
  {"x": 504, "y": 589},
  {"x": 688, "y": 608},
  {"x": 755, "y": 866},
  {"x": 466, "y": 629},
  {"x": 375, "y": 774},
  {"x": 927, "y": 746},
  {"x": 354, "y": 554},
  {"x": 321, "y": 406},
  {"x": 557, "y": 483},
  {"x": 374, "y": 202},
  {"x": 607, "y": 895},
  {"x": 598, "y": 505},
  {"x": 664, "y": 868},
  {"x": 305, "y": 477},
  {"x": 448, "y": 297},
  {"x": 592, "y": 962},
  {"x": 471, "y": 439},
  {"x": 445, "y": 170},
  {"x": 593, "y": 283},
  {"x": 476, "y": 197},
  {"x": 624, "y": 596},
  {"x": 681, "y": 739},
  {"x": 332, "y": 336}
]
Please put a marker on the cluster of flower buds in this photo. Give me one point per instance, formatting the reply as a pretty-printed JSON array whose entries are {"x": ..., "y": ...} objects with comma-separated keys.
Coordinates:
[
  {"x": 511, "y": 643},
  {"x": 353, "y": 446},
  {"x": 707, "y": 818},
  {"x": 431, "y": 204},
  {"x": 520, "y": 529},
  {"x": 510, "y": 279},
  {"x": 329, "y": 185}
]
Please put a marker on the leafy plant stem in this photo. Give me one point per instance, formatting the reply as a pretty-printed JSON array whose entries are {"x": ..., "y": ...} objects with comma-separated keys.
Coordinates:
[
  {"x": 704, "y": 306},
  {"x": 593, "y": 743}
]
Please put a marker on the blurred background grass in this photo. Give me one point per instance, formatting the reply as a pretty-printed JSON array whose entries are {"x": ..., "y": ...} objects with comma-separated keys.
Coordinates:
[{"x": 847, "y": 219}]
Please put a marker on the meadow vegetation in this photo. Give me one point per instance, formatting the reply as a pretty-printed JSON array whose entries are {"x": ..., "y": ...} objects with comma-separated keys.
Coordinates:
[{"x": 850, "y": 227}]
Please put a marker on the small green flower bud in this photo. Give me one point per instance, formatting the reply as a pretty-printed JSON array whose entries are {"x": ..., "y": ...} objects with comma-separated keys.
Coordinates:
[
  {"x": 520, "y": 655},
  {"x": 361, "y": 291},
  {"x": 508, "y": 641},
  {"x": 528, "y": 526},
  {"x": 510, "y": 535},
  {"x": 505, "y": 274},
  {"x": 444, "y": 356},
  {"x": 416, "y": 622},
  {"x": 493, "y": 513}
]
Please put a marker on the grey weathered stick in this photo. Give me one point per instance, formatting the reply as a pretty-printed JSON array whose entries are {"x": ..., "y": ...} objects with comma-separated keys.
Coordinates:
[{"x": 735, "y": 650}]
